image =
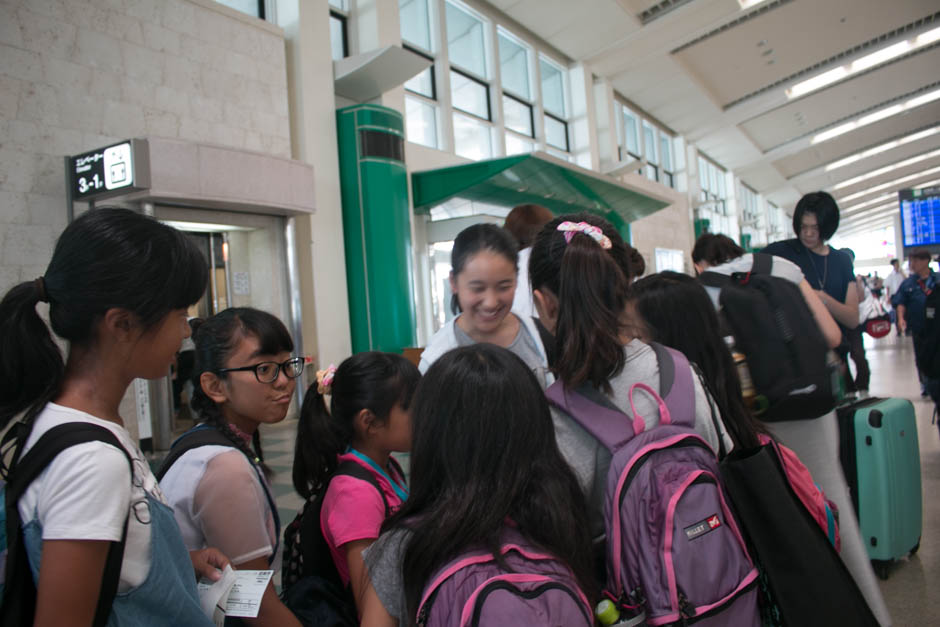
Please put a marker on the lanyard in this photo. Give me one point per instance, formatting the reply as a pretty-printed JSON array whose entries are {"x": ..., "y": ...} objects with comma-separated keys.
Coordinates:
[
  {"x": 923, "y": 286},
  {"x": 400, "y": 490}
]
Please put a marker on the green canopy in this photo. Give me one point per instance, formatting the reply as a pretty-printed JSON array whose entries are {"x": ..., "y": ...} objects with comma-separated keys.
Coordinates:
[{"x": 533, "y": 178}]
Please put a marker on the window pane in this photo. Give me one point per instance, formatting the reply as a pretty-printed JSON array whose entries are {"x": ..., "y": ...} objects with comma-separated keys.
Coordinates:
[
  {"x": 423, "y": 84},
  {"x": 465, "y": 43},
  {"x": 703, "y": 174},
  {"x": 721, "y": 183},
  {"x": 251, "y": 7},
  {"x": 421, "y": 122},
  {"x": 630, "y": 131},
  {"x": 652, "y": 172},
  {"x": 472, "y": 138},
  {"x": 516, "y": 145},
  {"x": 415, "y": 24},
  {"x": 649, "y": 143},
  {"x": 337, "y": 38},
  {"x": 517, "y": 116},
  {"x": 553, "y": 88},
  {"x": 665, "y": 151},
  {"x": 469, "y": 95},
  {"x": 342, "y": 5},
  {"x": 514, "y": 67},
  {"x": 556, "y": 133}
]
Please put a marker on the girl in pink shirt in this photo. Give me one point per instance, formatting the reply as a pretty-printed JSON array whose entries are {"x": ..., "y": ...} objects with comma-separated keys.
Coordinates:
[{"x": 369, "y": 418}]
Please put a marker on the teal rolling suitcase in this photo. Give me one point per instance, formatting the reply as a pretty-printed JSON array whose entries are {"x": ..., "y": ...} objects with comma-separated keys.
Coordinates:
[{"x": 881, "y": 459}]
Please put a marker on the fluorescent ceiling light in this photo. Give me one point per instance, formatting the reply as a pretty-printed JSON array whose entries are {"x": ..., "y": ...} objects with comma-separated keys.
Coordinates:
[
  {"x": 860, "y": 205},
  {"x": 887, "y": 112},
  {"x": 861, "y": 64},
  {"x": 747, "y": 4},
  {"x": 878, "y": 188},
  {"x": 882, "y": 148}
]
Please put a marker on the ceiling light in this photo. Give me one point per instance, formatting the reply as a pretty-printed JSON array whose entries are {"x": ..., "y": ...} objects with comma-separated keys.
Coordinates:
[
  {"x": 866, "y": 203},
  {"x": 861, "y": 64},
  {"x": 882, "y": 148},
  {"x": 747, "y": 4},
  {"x": 878, "y": 188},
  {"x": 887, "y": 112}
]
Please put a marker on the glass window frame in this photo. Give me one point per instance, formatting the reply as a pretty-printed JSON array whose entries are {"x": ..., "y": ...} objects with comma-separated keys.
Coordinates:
[
  {"x": 529, "y": 55},
  {"x": 410, "y": 95},
  {"x": 260, "y": 14},
  {"x": 486, "y": 23},
  {"x": 564, "y": 123},
  {"x": 482, "y": 83},
  {"x": 431, "y": 6},
  {"x": 429, "y": 57},
  {"x": 529, "y": 106},
  {"x": 343, "y": 19}
]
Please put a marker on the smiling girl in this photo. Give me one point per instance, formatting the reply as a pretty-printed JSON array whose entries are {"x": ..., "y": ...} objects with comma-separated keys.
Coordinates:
[
  {"x": 244, "y": 376},
  {"x": 483, "y": 280}
]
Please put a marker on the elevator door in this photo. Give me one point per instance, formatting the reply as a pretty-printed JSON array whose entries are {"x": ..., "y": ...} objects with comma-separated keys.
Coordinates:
[{"x": 247, "y": 259}]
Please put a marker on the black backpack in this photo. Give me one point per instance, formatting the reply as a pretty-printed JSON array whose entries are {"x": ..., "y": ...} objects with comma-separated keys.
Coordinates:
[
  {"x": 774, "y": 328},
  {"x": 19, "y": 591},
  {"x": 312, "y": 587}
]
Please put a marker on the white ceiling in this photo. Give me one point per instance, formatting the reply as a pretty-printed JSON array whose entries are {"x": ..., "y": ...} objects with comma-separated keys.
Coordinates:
[{"x": 717, "y": 74}]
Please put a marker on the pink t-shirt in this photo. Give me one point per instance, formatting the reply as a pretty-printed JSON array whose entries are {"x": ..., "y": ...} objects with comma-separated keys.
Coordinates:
[{"x": 353, "y": 510}]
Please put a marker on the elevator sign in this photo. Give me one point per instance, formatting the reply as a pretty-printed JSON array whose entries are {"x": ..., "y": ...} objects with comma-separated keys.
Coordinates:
[{"x": 110, "y": 170}]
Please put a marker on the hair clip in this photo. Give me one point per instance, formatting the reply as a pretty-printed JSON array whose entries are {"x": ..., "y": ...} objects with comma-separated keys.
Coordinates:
[
  {"x": 325, "y": 380},
  {"x": 594, "y": 232}
]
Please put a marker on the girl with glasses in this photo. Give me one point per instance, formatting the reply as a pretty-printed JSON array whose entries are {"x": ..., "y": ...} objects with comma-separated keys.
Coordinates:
[
  {"x": 118, "y": 288},
  {"x": 243, "y": 376}
]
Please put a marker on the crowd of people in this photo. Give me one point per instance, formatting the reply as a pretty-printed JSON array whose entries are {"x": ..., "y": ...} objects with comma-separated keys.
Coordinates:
[{"x": 548, "y": 302}]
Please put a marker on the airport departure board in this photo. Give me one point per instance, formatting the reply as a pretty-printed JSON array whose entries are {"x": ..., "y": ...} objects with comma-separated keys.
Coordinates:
[{"x": 920, "y": 216}]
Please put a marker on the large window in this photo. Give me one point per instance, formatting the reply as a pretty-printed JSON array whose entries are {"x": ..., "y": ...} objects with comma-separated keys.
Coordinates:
[
  {"x": 554, "y": 88},
  {"x": 712, "y": 203},
  {"x": 469, "y": 81},
  {"x": 421, "y": 106},
  {"x": 518, "y": 117}
]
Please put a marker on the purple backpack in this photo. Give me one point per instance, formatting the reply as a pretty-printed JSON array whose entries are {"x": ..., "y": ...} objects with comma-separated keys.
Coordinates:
[
  {"x": 674, "y": 548},
  {"x": 474, "y": 590}
]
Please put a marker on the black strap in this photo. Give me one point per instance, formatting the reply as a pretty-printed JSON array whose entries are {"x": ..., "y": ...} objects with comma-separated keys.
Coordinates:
[
  {"x": 714, "y": 279},
  {"x": 207, "y": 435},
  {"x": 763, "y": 264},
  {"x": 19, "y": 597}
]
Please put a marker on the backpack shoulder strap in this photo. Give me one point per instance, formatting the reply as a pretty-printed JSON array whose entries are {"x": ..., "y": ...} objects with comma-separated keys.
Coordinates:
[
  {"x": 714, "y": 279},
  {"x": 19, "y": 593},
  {"x": 609, "y": 425},
  {"x": 198, "y": 436},
  {"x": 676, "y": 386},
  {"x": 763, "y": 264}
]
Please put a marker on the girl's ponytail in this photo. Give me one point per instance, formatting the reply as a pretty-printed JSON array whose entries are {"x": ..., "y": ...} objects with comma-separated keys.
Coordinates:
[
  {"x": 371, "y": 381},
  {"x": 319, "y": 441},
  {"x": 586, "y": 266},
  {"x": 31, "y": 365}
]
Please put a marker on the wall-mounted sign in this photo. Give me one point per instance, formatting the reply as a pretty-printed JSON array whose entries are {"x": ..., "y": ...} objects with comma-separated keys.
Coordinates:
[{"x": 110, "y": 170}]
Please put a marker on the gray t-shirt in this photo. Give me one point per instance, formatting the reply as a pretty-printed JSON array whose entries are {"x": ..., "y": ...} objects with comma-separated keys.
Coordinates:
[
  {"x": 383, "y": 560},
  {"x": 523, "y": 345},
  {"x": 590, "y": 460}
]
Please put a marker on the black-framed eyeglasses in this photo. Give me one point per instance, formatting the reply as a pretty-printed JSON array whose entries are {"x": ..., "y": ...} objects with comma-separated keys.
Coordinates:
[{"x": 267, "y": 371}]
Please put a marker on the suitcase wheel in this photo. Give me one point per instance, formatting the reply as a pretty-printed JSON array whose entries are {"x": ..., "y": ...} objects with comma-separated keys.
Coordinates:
[{"x": 882, "y": 568}]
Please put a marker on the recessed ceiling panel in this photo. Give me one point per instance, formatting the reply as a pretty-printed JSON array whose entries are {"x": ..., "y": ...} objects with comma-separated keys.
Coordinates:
[
  {"x": 789, "y": 39},
  {"x": 825, "y": 107},
  {"x": 870, "y": 136}
]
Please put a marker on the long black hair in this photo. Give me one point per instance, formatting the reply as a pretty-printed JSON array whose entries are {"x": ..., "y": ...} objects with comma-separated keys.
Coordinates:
[
  {"x": 484, "y": 451},
  {"x": 216, "y": 338},
  {"x": 477, "y": 238},
  {"x": 677, "y": 311},
  {"x": 591, "y": 285},
  {"x": 371, "y": 380},
  {"x": 107, "y": 258}
]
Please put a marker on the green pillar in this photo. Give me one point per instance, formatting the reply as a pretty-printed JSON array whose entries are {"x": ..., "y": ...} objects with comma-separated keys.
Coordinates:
[{"x": 376, "y": 227}]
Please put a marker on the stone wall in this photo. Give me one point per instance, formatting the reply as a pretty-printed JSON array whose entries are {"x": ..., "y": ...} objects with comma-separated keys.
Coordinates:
[{"x": 79, "y": 74}]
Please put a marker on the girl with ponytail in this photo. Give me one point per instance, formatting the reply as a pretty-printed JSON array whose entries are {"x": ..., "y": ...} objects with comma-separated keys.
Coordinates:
[
  {"x": 243, "y": 377},
  {"x": 369, "y": 418},
  {"x": 118, "y": 288},
  {"x": 580, "y": 271}
]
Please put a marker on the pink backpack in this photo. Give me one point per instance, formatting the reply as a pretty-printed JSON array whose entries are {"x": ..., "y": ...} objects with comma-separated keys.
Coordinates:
[{"x": 822, "y": 510}]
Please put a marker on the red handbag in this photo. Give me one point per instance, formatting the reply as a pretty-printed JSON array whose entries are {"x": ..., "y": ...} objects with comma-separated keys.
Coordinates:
[{"x": 878, "y": 326}]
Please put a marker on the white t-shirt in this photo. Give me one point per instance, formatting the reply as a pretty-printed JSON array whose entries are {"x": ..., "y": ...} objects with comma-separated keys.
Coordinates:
[
  {"x": 86, "y": 493},
  {"x": 522, "y": 302},
  {"x": 893, "y": 282},
  {"x": 218, "y": 501},
  {"x": 782, "y": 268}
]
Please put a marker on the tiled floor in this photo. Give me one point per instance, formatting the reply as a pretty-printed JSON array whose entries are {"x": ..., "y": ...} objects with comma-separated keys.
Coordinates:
[{"x": 911, "y": 591}]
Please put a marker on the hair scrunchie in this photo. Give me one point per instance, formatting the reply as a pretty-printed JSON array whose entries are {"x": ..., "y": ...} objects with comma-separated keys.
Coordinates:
[
  {"x": 40, "y": 285},
  {"x": 325, "y": 380},
  {"x": 594, "y": 232}
]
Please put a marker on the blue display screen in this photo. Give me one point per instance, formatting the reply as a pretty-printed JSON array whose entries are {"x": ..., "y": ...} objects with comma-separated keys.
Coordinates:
[{"x": 920, "y": 216}]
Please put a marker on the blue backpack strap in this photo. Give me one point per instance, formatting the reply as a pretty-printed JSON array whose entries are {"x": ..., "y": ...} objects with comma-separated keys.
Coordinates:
[
  {"x": 19, "y": 594},
  {"x": 676, "y": 386}
]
